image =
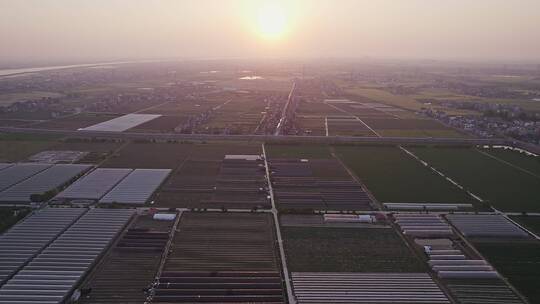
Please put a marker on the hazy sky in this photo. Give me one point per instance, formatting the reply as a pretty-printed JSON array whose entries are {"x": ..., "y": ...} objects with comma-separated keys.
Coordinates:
[{"x": 128, "y": 29}]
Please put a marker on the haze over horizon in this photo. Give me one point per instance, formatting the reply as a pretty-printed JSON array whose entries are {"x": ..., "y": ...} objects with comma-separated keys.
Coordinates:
[{"x": 63, "y": 30}]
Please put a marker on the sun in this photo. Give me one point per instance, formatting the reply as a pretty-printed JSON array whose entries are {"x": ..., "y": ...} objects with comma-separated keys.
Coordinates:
[{"x": 272, "y": 21}]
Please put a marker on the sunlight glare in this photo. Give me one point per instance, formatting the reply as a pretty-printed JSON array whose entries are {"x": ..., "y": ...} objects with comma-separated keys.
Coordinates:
[{"x": 272, "y": 21}]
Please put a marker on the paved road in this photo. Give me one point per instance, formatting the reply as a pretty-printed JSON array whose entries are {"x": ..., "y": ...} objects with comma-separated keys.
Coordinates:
[{"x": 262, "y": 138}]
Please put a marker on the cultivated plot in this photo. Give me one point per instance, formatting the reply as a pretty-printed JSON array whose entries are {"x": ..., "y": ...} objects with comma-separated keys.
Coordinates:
[
  {"x": 149, "y": 156},
  {"x": 393, "y": 176},
  {"x": 75, "y": 122},
  {"x": 306, "y": 151},
  {"x": 519, "y": 262},
  {"x": 505, "y": 187},
  {"x": 314, "y": 249},
  {"x": 207, "y": 180},
  {"x": 222, "y": 257},
  {"x": 316, "y": 184},
  {"x": 130, "y": 266}
]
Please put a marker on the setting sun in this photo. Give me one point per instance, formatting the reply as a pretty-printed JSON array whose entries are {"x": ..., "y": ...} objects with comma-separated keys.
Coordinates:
[{"x": 272, "y": 21}]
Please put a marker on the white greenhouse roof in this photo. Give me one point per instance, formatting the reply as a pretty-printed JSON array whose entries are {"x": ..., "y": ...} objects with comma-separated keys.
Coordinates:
[
  {"x": 121, "y": 123},
  {"x": 94, "y": 185},
  {"x": 137, "y": 187}
]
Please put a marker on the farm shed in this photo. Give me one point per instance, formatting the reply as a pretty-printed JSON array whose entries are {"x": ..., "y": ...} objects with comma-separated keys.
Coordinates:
[
  {"x": 5, "y": 165},
  {"x": 19, "y": 172},
  {"x": 137, "y": 187},
  {"x": 426, "y": 206},
  {"x": 19, "y": 244},
  {"x": 51, "y": 276},
  {"x": 476, "y": 225},
  {"x": 384, "y": 288},
  {"x": 471, "y": 291},
  {"x": 95, "y": 184},
  {"x": 49, "y": 179},
  {"x": 121, "y": 123},
  {"x": 423, "y": 225}
]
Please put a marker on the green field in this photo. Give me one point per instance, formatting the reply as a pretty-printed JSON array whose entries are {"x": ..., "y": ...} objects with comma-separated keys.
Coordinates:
[
  {"x": 530, "y": 222},
  {"x": 529, "y": 163},
  {"x": 387, "y": 98},
  {"x": 519, "y": 262},
  {"x": 8, "y": 99},
  {"x": 8, "y": 218},
  {"x": 421, "y": 133},
  {"x": 297, "y": 151},
  {"x": 15, "y": 148},
  {"x": 393, "y": 176},
  {"x": 505, "y": 187},
  {"x": 347, "y": 250}
]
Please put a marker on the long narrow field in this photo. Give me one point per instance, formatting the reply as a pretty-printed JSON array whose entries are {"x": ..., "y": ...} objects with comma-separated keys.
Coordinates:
[
  {"x": 503, "y": 186},
  {"x": 18, "y": 147},
  {"x": 297, "y": 151},
  {"x": 10, "y": 216},
  {"x": 529, "y": 163},
  {"x": 75, "y": 122},
  {"x": 203, "y": 180},
  {"x": 519, "y": 262},
  {"x": 222, "y": 258},
  {"x": 316, "y": 249},
  {"x": 149, "y": 155},
  {"x": 130, "y": 266},
  {"x": 530, "y": 222},
  {"x": 393, "y": 176}
]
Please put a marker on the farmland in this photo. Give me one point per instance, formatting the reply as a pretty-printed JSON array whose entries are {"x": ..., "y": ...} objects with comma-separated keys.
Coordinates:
[
  {"x": 74, "y": 122},
  {"x": 516, "y": 191},
  {"x": 348, "y": 250},
  {"x": 194, "y": 180},
  {"x": 393, "y": 176},
  {"x": 162, "y": 124},
  {"x": 529, "y": 221},
  {"x": 297, "y": 151},
  {"x": 387, "y": 98},
  {"x": 323, "y": 196},
  {"x": 519, "y": 262},
  {"x": 149, "y": 155},
  {"x": 8, "y": 217},
  {"x": 528, "y": 163},
  {"x": 16, "y": 148}
]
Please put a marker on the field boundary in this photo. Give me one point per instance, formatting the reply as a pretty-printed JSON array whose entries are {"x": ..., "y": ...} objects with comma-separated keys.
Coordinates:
[
  {"x": 290, "y": 294},
  {"x": 508, "y": 163},
  {"x": 448, "y": 179}
]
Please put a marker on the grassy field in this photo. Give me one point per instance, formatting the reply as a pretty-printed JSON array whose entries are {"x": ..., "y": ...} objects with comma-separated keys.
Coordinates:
[
  {"x": 449, "y": 133},
  {"x": 75, "y": 122},
  {"x": 529, "y": 163},
  {"x": 505, "y": 187},
  {"x": 347, "y": 250},
  {"x": 8, "y": 218},
  {"x": 200, "y": 170},
  {"x": 149, "y": 155},
  {"x": 18, "y": 147},
  {"x": 519, "y": 262},
  {"x": 297, "y": 151},
  {"x": 315, "y": 125},
  {"x": 387, "y": 98},
  {"x": 7, "y": 99},
  {"x": 393, "y": 176},
  {"x": 530, "y": 222}
]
